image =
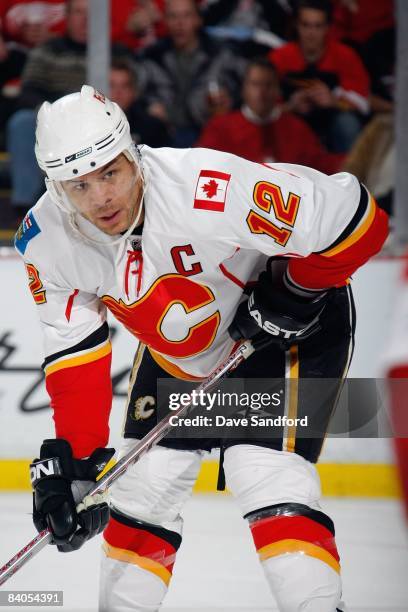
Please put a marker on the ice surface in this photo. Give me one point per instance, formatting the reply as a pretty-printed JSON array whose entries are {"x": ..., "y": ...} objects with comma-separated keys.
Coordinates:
[{"x": 217, "y": 568}]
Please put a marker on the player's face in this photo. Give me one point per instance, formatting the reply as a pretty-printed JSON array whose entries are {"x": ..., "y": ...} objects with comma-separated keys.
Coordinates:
[{"x": 108, "y": 197}]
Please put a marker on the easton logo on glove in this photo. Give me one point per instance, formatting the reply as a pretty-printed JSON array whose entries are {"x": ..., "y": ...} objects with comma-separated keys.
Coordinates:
[
  {"x": 283, "y": 316},
  {"x": 61, "y": 500},
  {"x": 46, "y": 467},
  {"x": 273, "y": 328}
]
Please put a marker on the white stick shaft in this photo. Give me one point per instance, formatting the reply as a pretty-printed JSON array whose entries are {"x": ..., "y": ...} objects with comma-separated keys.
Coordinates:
[{"x": 24, "y": 555}]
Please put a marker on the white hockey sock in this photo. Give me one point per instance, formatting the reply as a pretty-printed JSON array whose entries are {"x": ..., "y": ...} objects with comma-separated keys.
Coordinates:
[
  {"x": 301, "y": 583},
  {"x": 144, "y": 533},
  {"x": 126, "y": 587},
  {"x": 279, "y": 494}
]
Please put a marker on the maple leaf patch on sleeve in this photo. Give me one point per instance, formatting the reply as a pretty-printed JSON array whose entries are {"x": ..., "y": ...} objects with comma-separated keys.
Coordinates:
[{"x": 211, "y": 190}]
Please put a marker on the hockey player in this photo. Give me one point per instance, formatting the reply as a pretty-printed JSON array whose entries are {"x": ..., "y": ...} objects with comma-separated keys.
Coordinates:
[{"x": 168, "y": 240}]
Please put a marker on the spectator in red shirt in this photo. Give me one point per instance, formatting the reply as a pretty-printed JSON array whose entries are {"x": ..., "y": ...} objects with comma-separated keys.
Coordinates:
[
  {"x": 32, "y": 22},
  {"x": 356, "y": 21},
  {"x": 24, "y": 24},
  {"x": 322, "y": 79},
  {"x": 137, "y": 23},
  {"x": 261, "y": 132}
]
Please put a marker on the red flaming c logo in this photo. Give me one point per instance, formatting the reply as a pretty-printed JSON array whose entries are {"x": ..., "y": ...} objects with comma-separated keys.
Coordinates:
[{"x": 144, "y": 317}]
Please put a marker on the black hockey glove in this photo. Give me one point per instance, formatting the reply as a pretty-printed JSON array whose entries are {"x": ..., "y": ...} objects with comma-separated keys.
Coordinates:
[
  {"x": 60, "y": 483},
  {"x": 285, "y": 317}
]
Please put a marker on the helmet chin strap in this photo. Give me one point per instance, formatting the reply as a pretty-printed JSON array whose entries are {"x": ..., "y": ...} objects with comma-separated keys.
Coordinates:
[{"x": 60, "y": 198}]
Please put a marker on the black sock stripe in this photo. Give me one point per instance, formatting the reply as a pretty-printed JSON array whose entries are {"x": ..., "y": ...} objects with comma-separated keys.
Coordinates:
[
  {"x": 97, "y": 337},
  {"x": 292, "y": 509},
  {"x": 171, "y": 537}
]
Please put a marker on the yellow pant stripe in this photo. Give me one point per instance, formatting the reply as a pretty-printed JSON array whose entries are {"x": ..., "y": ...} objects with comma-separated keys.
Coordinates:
[
  {"x": 292, "y": 389},
  {"x": 128, "y": 556},
  {"x": 298, "y": 546}
]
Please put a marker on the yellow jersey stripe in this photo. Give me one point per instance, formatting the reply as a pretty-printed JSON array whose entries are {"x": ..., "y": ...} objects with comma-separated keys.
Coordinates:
[
  {"x": 171, "y": 368},
  {"x": 356, "y": 235},
  {"x": 88, "y": 357}
]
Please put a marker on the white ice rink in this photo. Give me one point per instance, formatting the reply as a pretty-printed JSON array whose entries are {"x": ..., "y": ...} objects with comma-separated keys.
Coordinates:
[{"x": 217, "y": 568}]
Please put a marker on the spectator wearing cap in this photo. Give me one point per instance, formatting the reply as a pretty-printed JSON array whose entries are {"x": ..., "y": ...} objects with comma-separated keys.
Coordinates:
[
  {"x": 323, "y": 80},
  {"x": 261, "y": 131}
]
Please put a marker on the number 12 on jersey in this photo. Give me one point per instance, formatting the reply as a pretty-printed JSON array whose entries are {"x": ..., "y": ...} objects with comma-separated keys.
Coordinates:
[{"x": 266, "y": 196}]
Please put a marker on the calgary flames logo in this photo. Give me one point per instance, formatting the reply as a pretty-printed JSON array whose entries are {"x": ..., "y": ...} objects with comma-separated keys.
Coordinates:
[
  {"x": 35, "y": 284},
  {"x": 144, "y": 318}
]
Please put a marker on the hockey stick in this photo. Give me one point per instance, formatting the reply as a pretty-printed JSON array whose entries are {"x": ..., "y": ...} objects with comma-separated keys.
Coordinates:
[{"x": 151, "y": 439}]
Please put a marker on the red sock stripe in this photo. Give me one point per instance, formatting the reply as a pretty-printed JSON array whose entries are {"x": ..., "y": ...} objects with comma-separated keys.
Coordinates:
[
  {"x": 141, "y": 542},
  {"x": 275, "y": 528}
]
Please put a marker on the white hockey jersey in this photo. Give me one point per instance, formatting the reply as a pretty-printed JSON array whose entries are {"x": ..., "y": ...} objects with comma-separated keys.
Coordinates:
[{"x": 211, "y": 221}]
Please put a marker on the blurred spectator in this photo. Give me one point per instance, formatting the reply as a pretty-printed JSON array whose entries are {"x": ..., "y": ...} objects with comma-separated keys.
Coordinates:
[
  {"x": 59, "y": 66},
  {"x": 187, "y": 75},
  {"x": 12, "y": 60},
  {"x": 54, "y": 69},
  {"x": 32, "y": 22},
  {"x": 146, "y": 23},
  {"x": 24, "y": 24},
  {"x": 138, "y": 23},
  {"x": 372, "y": 159},
  {"x": 272, "y": 15},
  {"x": 123, "y": 90},
  {"x": 380, "y": 62},
  {"x": 134, "y": 23},
  {"x": 261, "y": 132},
  {"x": 356, "y": 21},
  {"x": 322, "y": 79}
]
